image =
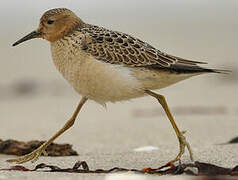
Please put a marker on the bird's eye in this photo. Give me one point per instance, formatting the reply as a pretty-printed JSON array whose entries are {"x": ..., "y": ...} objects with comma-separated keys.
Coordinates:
[{"x": 50, "y": 22}]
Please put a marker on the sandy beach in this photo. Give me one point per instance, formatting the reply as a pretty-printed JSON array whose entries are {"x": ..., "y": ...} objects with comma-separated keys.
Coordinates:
[{"x": 35, "y": 101}]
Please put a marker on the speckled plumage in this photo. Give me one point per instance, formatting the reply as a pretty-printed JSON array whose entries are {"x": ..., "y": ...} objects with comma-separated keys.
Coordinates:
[
  {"x": 120, "y": 48},
  {"x": 102, "y": 81},
  {"x": 104, "y": 65},
  {"x": 119, "y": 66}
]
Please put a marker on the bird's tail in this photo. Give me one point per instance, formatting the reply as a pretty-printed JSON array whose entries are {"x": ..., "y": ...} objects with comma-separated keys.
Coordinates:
[
  {"x": 190, "y": 69},
  {"x": 221, "y": 71}
]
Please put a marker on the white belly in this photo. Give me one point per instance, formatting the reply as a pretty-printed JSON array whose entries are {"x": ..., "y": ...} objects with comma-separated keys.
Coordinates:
[{"x": 103, "y": 82}]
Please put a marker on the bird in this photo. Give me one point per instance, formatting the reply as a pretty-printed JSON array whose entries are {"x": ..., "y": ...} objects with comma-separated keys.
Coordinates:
[{"x": 104, "y": 66}]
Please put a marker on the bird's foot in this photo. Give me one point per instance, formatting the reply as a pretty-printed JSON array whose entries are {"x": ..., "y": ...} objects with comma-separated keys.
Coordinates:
[
  {"x": 182, "y": 145},
  {"x": 33, "y": 156}
]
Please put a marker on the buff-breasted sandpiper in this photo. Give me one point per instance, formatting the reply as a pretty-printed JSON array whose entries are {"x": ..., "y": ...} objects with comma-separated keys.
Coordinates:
[{"x": 108, "y": 66}]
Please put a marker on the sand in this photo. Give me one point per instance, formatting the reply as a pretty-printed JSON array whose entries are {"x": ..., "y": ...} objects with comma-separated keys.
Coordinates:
[{"x": 35, "y": 101}]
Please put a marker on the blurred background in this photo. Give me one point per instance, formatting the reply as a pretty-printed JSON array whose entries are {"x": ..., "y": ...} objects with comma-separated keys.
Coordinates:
[{"x": 35, "y": 100}]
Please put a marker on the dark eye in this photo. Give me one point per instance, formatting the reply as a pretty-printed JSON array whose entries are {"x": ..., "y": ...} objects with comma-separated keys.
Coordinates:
[{"x": 50, "y": 22}]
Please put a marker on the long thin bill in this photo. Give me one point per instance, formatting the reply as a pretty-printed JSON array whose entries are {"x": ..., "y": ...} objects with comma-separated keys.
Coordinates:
[{"x": 31, "y": 35}]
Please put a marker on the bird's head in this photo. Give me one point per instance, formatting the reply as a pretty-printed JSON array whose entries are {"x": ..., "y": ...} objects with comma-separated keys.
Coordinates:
[{"x": 54, "y": 24}]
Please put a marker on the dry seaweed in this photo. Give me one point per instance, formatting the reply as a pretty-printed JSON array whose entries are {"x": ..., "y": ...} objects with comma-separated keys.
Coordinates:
[
  {"x": 195, "y": 169},
  {"x": 19, "y": 148},
  {"x": 233, "y": 140}
]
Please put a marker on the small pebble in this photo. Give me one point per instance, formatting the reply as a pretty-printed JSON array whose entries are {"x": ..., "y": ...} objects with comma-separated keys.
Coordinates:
[{"x": 146, "y": 148}]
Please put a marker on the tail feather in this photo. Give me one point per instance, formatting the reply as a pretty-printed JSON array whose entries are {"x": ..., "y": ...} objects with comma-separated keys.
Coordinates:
[
  {"x": 222, "y": 71},
  {"x": 179, "y": 68},
  {"x": 187, "y": 68}
]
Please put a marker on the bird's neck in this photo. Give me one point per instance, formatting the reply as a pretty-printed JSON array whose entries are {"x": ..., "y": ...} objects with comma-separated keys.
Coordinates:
[{"x": 76, "y": 23}]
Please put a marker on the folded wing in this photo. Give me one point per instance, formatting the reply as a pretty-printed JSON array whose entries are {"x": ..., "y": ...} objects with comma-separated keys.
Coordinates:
[{"x": 119, "y": 48}]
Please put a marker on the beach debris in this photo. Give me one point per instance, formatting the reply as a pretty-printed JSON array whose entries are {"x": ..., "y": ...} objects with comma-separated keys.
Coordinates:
[
  {"x": 192, "y": 169},
  {"x": 19, "y": 148},
  {"x": 233, "y": 140},
  {"x": 146, "y": 148}
]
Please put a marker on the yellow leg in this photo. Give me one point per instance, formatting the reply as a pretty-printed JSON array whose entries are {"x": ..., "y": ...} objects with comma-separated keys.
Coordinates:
[
  {"x": 182, "y": 140},
  {"x": 34, "y": 155}
]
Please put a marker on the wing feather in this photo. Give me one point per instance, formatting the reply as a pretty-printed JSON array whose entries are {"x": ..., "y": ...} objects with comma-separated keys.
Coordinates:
[{"x": 119, "y": 48}]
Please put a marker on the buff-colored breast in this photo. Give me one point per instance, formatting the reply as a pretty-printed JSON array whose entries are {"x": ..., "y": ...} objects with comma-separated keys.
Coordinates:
[
  {"x": 103, "y": 82},
  {"x": 99, "y": 81}
]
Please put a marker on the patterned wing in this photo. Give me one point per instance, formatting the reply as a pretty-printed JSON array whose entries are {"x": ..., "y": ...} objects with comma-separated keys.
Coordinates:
[{"x": 119, "y": 48}]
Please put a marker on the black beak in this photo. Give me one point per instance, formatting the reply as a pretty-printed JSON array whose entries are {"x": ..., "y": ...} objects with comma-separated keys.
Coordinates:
[{"x": 32, "y": 35}]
